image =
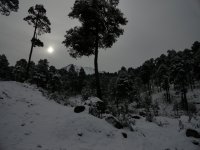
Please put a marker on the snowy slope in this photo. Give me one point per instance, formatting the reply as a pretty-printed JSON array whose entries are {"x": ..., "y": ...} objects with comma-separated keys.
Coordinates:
[
  {"x": 88, "y": 70},
  {"x": 28, "y": 121}
]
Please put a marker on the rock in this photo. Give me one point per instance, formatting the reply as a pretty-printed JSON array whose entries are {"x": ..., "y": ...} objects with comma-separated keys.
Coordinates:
[
  {"x": 112, "y": 120},
  {"x": 39, "y": 146},
  {"x": 80, "y": 134},
  {"x": 143, "y": 114},
  {"x": 27, "y": 133},
  {"x": 23, "y": 124},
  {"x": 118, "y": 125},
  {"x": 195, "y": 142},
  {"x": 136, "y": 117},
  {"x": 79, "y": 109},
  {"x": 192, "y": 133},
  {"x": 124, "y": 135}
]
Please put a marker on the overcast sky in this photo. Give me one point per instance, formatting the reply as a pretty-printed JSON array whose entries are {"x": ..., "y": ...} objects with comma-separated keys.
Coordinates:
[{"x": 154, "y": 27}]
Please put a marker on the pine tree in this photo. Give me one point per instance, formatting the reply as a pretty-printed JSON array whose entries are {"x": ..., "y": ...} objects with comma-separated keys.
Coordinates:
[
  {"x": 123, "y": 88},
  {"x": 180, "y": 78},
  {"x": 73, "y": 80},
  {"x": 63, "y": 80},
  {"x": 162, "y": 75},
  {"x": 54, "y": 83},
  {"x": 4, "y": 67},
  {"x": 20, "y": 70},
  {"x": 146, "y": 73},
  {"x": 6, "y": 6},
  {"x": 37, "y": 17},
  {"x": 101, "y": 22},
  {"x": 41, "y": 75},
  {"x": 81, "y": 79},
  {"x": 196, "y": 58}
]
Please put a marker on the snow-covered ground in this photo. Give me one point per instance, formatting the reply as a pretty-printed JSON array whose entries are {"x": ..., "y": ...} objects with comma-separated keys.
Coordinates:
[{"x": 29, "y": 121}]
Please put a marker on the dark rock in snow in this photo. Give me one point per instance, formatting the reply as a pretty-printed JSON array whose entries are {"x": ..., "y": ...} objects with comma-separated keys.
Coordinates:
[
  {"x": 27, "y": 133},
  {"x": 143, "y": 114},
  {"x": 118, "y": 125},
  {"x": 80, "y": 134},
  {"x": 136, "y": 117},
  {"x": 23, "y": 124},
  {"x": 39, "y": 146},
  {"x": 79, "y": 109},
  {"x": 124, "y": 135},
  {"x": 112, "y": 120},
  {"x": 192, "y": 133},
  {"x": 195, "y": 142}
]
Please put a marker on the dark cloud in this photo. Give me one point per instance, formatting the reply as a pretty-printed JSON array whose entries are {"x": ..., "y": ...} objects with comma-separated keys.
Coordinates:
[{"x": 154, "y": 27}]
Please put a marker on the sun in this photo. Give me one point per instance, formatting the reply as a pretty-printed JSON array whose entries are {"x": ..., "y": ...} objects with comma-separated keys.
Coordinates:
[{"x": 50, "y": 50}]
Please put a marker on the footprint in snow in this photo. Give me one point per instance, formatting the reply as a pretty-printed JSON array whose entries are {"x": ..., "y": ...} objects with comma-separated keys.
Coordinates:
[
  {"x": 28, "y": 133},
  {"x": 30, "y": 105},
  {"x": 39, "y": 146},
  {"x": 37, "y": 114},
  {"x": 23, "y": 124},
  {"x": 4, "y": 93}
]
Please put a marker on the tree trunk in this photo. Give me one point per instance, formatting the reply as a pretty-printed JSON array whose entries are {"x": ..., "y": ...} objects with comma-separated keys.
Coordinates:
[
  {"x": 29, "y": 60},
  {"x": 149, "y": 88},
  {"x": 168, "y": 95},
  {"x": 98, "y": 89},
  {"x": 32, "y": 45},
  {"x": 185, "y": 101}
]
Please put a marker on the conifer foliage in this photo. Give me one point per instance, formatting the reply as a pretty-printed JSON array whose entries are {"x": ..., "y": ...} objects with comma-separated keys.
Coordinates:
[
  {"x": 4, "y": 67},
  {"x": 6, "y": 6},
  {"x": 37, "y": 17},
  {"x": 101, "y": 23}
]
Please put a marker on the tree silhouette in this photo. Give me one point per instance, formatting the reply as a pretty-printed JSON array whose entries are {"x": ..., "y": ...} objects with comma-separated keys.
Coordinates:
[
  {"x": 20, "y": 70},
  {"x": 6, "y": 6},
  {"x": 4, "y": 67},
  {"x": 101, "y": 23},
  {"x": 37, "y": 17}
]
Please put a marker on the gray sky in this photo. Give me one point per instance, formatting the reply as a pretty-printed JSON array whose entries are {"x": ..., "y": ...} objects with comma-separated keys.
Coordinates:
[{"x": 154, "y": 27}]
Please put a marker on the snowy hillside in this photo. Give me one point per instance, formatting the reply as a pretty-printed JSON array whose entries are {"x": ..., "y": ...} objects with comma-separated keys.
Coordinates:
[
  {"x": 88, "y": 70},
  {"x": 29, "y": 121}
]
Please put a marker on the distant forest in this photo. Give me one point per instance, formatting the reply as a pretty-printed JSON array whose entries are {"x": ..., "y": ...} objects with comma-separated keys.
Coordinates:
[{"x": 178, "y": 71}]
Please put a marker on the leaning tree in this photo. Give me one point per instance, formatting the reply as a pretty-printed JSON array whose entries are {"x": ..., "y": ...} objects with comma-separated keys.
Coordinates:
[
  {"x": 101, "y": 25},
  {"x": 37, "y": 17},
  {"x": 6, "y": 6}
]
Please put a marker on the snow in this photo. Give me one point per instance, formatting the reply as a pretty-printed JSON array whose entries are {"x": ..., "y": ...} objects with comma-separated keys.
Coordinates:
[
  {"x": 92, "y": 100},
  {"x": 167, "y": 109},
  {"x": 29, "y": 121}
]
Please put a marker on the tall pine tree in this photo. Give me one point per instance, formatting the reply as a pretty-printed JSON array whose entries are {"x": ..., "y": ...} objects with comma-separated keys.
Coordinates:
[
  {"x": 101, "y": 23},
  {"x": 37, "y": 17}
]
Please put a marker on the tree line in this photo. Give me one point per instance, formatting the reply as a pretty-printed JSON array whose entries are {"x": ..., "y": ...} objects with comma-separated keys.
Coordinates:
[{"x": 177, "y": 71}]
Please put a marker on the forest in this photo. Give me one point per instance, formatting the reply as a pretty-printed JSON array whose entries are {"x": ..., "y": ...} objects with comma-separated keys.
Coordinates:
[
  {"x": 176, "y": 71},
  {"x": 152, "y": 106}
]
